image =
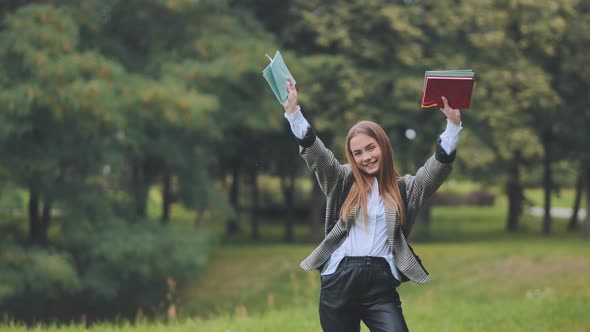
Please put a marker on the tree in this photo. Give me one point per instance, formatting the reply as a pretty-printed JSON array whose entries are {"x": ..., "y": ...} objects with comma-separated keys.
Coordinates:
[
  {"x": 226, "y": 59},
  {"x": 60, "y": 115},
  {"x": 74, "y": 121},
  {"x": 517, "y": 43},
  {"x": 574, "y": 84},
  {"x": 573, "y": 224},
  {"x": 168, "y": 122}
]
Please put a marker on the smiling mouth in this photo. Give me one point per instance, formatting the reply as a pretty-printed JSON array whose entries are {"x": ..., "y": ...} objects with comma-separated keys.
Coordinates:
[{"x": 370, "y": 164}]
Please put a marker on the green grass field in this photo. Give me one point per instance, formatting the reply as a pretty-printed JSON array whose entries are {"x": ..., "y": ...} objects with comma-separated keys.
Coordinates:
[
  {"x": 511, "y": 285},
  {"x": 482, "y": 280}
]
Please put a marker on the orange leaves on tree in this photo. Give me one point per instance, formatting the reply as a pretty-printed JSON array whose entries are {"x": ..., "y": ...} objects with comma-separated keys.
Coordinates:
[
  {"x": 41, "y": 60},
  {"x": 67, "y": 47}
]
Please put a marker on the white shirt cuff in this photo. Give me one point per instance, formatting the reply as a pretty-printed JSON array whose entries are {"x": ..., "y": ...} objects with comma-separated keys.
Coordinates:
[
  {"x": 298, "y": 123},
  {"x": 450, "y": 137}
]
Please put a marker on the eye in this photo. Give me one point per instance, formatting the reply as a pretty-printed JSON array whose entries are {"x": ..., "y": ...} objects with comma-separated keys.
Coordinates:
[{"x": 371, "y": 148}]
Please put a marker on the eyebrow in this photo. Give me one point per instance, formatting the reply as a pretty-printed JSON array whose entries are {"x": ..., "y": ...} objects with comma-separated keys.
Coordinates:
[{"x": 366, "y": 146}]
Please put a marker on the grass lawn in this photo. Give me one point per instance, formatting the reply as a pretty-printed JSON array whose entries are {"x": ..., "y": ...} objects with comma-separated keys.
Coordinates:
[
  {"x": 482, "y": 280},
  {"x": 517, "y": 284}
]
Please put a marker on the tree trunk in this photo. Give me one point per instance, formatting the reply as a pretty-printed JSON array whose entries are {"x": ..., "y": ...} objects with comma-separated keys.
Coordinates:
[
  {"x": 316, "y": 212},
  {"x": 547, "y": 183},
  {"x": 200, "y": 220},
  {"x": 573, "y": 224},
  {"x": 34, "y": 223},
  {"x": 166, "y": 197},
  {"x": 45, "y": 222},
  {"x": 586, "y": 180},
  {"x": 288, "y": 188},
  {"x": 515, "y": 193},
  {"x": 38, "y": 224},
  {"x": 142, "y": 197},
  {"x": 140, "y": 190},
  {"x": 234, "y": 198},
  {"x": 254, "y": 204}
]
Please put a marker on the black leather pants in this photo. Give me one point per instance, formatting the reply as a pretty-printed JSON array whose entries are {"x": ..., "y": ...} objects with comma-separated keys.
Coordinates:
[{"x": 362, "y": 288}]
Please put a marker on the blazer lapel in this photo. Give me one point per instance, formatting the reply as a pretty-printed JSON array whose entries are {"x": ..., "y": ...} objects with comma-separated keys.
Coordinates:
[
  {"x": 392, "y": 223},
  {"x": 351, "y": 218}
]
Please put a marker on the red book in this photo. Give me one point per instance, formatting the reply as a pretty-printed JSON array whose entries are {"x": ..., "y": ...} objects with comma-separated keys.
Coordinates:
[{"x": 457, "y": 90}]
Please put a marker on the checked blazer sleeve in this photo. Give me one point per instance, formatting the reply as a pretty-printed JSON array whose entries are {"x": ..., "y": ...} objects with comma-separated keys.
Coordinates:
[
  {"x": 330, "y": 175},
  {"x": 427, "y": 180},
  {"x": 419, "y": 187},
  {"x": 320, "y": 160}
]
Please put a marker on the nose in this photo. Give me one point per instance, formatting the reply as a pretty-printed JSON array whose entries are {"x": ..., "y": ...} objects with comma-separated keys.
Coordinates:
[{"x": 366, "y": 156}]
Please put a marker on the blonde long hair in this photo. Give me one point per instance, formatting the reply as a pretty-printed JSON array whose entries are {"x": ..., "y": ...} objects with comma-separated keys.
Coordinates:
[{"x": 386, "y": 176}]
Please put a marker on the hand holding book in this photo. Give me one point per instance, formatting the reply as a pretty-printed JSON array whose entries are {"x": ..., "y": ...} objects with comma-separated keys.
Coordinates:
[
  {"x": 290, "y": 104},
  {"x": 276, "y": 75},
  {"x": 454, "y": 115}
]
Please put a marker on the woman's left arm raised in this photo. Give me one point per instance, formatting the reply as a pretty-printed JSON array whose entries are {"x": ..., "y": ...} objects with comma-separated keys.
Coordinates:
[{"x": 437, "y": 168}]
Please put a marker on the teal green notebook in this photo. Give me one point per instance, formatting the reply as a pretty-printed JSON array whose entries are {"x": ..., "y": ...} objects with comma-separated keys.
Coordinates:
[{"x": 276, "y": 74}]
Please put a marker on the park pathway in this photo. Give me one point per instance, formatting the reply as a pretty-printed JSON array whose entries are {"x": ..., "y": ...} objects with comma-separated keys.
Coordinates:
[{"x": 557, "y": 212}]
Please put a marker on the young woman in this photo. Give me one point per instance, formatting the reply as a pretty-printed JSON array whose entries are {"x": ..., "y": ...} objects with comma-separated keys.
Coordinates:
[{"x": 370, "y": 211}]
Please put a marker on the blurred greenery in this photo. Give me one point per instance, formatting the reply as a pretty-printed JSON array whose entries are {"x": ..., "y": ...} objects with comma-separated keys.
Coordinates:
[{"x": 137, "y": 136}]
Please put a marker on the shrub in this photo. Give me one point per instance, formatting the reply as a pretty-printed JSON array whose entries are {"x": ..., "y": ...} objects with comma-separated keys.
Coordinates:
[
  {"x": 447, "y": 198},
  {"x": 481, "y": 198},
  {"x": 32, "y": 278},
  {"x": 114, "y": 268},
  {"x": 126, "y": 266}
]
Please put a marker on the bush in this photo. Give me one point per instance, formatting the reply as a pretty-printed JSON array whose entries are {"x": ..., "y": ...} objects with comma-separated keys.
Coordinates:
[
  {"x": 100, "y": 271},
  {"x": 32, "y": 278},
  {"x": 481, "y": 198},
  {"x": 447, "y": 198},
  {"x": 127, "y": 266}
]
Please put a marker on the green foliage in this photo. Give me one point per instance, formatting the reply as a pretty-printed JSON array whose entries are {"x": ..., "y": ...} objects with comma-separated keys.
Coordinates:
[
  {"x": 119, "y": 256},
  {"x": 60, "y": 106},
  {"x": 39, "y": 30},
  {"x": 22, "y": 266},
  {"x": 34, "y": 273},
  {"x": 574, "y": 83},
  {"x": 11, "y": 200},
  {"x": 100, "y": 270}
]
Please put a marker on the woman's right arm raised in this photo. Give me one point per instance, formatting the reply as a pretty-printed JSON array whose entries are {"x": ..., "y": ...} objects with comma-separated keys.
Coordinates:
[{"x": 319, "y": 159}]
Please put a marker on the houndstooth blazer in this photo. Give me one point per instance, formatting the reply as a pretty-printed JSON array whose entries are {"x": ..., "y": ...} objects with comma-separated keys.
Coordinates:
[{"x": 332, "y": 177}]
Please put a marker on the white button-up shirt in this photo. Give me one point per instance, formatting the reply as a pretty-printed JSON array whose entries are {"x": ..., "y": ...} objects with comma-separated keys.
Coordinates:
[{"x": 366, "y": 239}]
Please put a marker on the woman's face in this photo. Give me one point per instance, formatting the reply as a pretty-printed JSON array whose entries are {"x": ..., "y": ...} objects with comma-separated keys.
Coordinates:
[{"x": 366, "y": 153}]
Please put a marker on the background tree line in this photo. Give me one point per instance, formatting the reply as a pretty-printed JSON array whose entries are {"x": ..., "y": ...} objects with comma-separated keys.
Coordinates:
[{"x": 103, "y": 102}]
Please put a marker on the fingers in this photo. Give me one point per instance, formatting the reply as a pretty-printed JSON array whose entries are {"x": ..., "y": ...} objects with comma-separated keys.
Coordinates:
[
  {"x": 291, "y": 103},
  {"x": 291, "y": 90},
  {"x": 446, "y": 108},
  {"x": 291, "y": 87},
  {"x": 454, "y": 115}
]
